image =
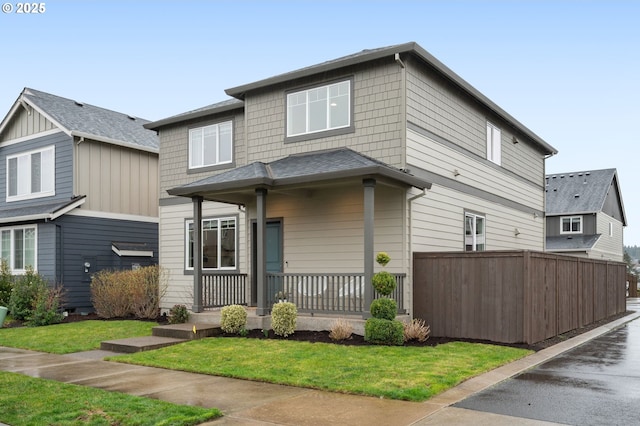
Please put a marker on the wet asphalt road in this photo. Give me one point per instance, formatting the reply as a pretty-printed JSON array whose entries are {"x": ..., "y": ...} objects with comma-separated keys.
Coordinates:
[{"x": 597, "y": 383}]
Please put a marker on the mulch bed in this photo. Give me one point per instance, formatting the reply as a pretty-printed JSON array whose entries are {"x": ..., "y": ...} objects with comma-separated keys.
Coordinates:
[{"x": 356, "y": 340}]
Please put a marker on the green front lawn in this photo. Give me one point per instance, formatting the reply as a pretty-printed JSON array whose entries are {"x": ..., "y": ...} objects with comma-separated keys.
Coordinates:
[{"x": 407, "y": 373}]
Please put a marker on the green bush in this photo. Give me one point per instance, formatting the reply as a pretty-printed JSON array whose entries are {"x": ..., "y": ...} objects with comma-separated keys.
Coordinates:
[
  {"x": 179, "y": 314},
  {"x": 384, "y": 332},
  {"x": 382, "y": 259},
  {"x": 384, "y": 308},
  {"x": 6, "y": 283},
  {"x": 26, "y": 290},
  {"x": 384, "y": 283},
  {"x": 283, "y": 318},
  {"x": 233, "y": 319},
  {"x": 46, "y": 308},
  {"x": 128, "y": 293}
]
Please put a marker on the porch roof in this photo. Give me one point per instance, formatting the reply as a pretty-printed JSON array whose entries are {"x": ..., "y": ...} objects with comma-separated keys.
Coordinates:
[
  {"x": 578, "y": 242},
  {"x": 48, "y": 211},
  {"x": 302, "y": 169}
]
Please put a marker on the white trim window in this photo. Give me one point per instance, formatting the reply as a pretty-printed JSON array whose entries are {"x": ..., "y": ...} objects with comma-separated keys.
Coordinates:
[
  {"x": 494, "y": 138},
  {"x": 31, "y": 174},
  {"x": 571, "y": 225},
  {"x": 474, "y": 232},
  {"x": 211, "y": 145},
  {"x": 319, "y": 109},
  {"x": 218, "y": 244},
  {"x": 18, "y": 246}
]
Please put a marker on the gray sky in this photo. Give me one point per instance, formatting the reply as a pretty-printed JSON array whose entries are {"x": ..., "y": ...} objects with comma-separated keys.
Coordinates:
[{"x": 568, "y": 70}]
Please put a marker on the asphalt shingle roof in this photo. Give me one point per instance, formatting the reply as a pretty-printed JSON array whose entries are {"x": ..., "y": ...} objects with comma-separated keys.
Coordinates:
[
  {"x": 577, "y": 192},
  {"x": 92, "y": 120},
  {"x": 40, "y": 211},
  {"x": 576, "y": 242}
]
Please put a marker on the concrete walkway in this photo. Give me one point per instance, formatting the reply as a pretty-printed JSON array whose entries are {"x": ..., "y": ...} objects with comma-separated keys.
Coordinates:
[{"x": 252, "y": 403}]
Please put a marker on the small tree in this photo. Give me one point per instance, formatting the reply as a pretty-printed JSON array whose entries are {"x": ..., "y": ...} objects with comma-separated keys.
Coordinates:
[{"x": 383, "y": 328}]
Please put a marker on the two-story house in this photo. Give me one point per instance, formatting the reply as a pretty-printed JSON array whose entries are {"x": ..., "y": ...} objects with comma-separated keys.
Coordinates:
[
  {"x": 291, "y": 187},
  {"x": 78, "y": 191},
  {"x": 585, "y": 214}
]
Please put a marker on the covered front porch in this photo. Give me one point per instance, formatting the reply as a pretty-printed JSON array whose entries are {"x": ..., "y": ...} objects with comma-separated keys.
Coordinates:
[{"x": 321, "y": 206}]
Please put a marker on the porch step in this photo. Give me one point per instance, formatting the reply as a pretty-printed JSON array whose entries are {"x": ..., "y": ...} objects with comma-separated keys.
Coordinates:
[
  {"x": 138, "y": 344},
  {"x": 186, "y": 331}
]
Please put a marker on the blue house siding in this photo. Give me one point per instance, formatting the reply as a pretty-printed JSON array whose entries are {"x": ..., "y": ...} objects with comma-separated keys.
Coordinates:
[
  {"x": 88, "y": 240},
  {"x": 48, "y": 241},
  {"x": 63, "y": 168}
]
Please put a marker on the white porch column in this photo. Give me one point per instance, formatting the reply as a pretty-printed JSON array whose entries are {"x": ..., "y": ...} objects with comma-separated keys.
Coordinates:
[
  {"x": 197, "y": 254},
  {"x": 261, "y": 249},
  {"x": 369, "y": 207}
]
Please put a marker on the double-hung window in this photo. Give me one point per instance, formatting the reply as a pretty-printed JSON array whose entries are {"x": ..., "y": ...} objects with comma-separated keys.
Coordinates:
[
  {"x": 319, "y": 109},
  {"x": 474, "y": 232},
  {"x": 571, "y": 225},
  {"x": 18, "y": 247},
  {"x": 493, "y": 144},
  {"x": 210, "y": 145},
  {"x": 31, "y": 174},
  {"x": 218, "y": 244}
]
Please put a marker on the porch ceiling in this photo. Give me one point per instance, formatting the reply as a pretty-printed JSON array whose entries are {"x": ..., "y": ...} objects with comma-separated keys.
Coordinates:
[{"x": 296, "y": 172}]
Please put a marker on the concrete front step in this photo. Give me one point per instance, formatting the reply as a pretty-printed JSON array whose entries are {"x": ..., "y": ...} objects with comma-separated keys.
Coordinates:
[
  {"x": 187, "y": 331},
  {"x": 138, "y": 344}
]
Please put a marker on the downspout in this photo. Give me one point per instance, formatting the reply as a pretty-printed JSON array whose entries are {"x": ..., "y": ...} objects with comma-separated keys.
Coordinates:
[{"x": 409, "y": 267}]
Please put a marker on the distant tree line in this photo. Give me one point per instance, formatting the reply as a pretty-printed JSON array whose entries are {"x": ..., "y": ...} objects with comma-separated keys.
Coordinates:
[{"x": 633, "y": 251}]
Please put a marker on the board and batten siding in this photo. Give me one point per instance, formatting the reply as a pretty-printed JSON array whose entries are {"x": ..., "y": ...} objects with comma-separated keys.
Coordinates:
[
  {"x": 172, "y": 247},
  {"x": 117, "y": 179},
  {"x": 608, "y": 247},
  {"x": 377, "y": 104},
  {"x": 63, "y": 168},
  {"x": 26, "y": 124},
  {"x": 436, "y": 105}
]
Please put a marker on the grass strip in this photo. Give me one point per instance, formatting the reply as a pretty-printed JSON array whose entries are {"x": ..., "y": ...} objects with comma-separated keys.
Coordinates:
[
  {"x": 72, "y": 337},
  {"x": 405, "y": 373},
  {"x": 30, "y": 401}
]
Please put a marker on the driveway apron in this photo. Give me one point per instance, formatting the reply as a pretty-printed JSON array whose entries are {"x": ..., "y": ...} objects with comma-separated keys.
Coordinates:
[{"x": 596, "y": 383}]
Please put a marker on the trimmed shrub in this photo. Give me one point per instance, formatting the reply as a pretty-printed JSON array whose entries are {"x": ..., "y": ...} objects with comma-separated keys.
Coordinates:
[
  {"x": 6, "y": 283},
  {"x": 383, "y": 332},
  {"x": 384, "y": 283},
  {"x": 384, "y": 308},
  {"x": 27, "y": 289},
  {"x": 46, "y": 308},
  {"x": 341, "y": 329},
  {"x": 283, "y": 318},
  {"x": 146, "y": 288},
  {"x": 110, "y": 294},
  {"x": 233, "y": 319},
  {"x": 179, "y": 314},
  {"x": 416, "y": 330},
  {"x": 382, "y": 259}
]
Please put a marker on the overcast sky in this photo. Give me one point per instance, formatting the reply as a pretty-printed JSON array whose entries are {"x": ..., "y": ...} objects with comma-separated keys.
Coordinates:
[{"x": 568, "y": 70}]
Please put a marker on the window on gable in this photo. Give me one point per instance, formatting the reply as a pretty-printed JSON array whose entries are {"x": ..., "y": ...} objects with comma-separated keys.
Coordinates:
[
  {"x": 493, "y": 144},
  {"x": 18, "y": 247},
  {"x": 319, "y": 109},
  {"x": 210, "y": 145},
  {"x": 571, "y": 225},
  {"x": 31, "y": 174},
  {"x": 218, "y": 244},
  {"x": 474, "y": 232}
]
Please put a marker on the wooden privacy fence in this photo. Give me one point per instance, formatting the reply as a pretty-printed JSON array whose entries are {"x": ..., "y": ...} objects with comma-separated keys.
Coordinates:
[
  {"x": 632, "y": 285},
  {"x": 514, "y": 296}
]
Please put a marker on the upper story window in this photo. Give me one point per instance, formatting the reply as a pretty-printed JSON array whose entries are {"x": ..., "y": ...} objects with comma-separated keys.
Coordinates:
[
  {"x": 210, "y": 145},
  {"x": 571, "y": 225},
  {"x": 474, "y": 232},
  {"x": 493, "y": 144},
  {"x": 218, "y": 244},
  {"x": 319, "y": 109},
  {"x": 18, "y": 247},
  {"x": 31, "y": 174}
]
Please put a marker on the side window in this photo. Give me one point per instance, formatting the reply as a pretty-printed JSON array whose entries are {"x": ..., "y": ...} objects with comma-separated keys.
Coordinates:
[
  {"x": 571, "y": 225},
  {"x": 18, "y": 247},
  {"x": 31, "y": 174},
  {"x": 494, "y": 137},
  {"x": 211, "y": 145},
  {"x": 474, "y": 232},
  {"x": 218, "y": 244}
]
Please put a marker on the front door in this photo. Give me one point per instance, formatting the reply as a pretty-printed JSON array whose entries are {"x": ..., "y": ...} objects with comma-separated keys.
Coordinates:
[{"x": 273, "y": 253}]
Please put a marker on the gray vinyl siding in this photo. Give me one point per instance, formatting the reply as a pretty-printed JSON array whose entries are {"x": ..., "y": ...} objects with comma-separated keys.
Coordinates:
[
  {"x": 48, "y": 261},
  {"x": 588, "y": 224},
  {"x": 26, "y": 124},
  {"x": 609, "y": 247},
  {"x": 63, "y": 168},
  {"x": 612, "y": 203},
  {"x": 88, "y": 239}
]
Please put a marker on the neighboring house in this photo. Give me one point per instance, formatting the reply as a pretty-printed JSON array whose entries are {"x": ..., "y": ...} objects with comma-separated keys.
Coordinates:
[
  {"x": 78, "y": 191},
  {"x": 299, "y": 180},
  {"x": 585, "y": 214}
]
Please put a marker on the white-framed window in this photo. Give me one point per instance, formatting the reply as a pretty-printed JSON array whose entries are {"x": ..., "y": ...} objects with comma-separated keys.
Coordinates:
[
  {"x": 31, "y": 174},
  {"x": 211, "y": 145},
  {"x": 319, "y": 109},
  {"x": 18, "y": 246},
  {"x": 474, "y": 232},
  {"x": 218, "y": 244},
  {"x": 493, "y": 144},
  {"x": 571, "y": 225}
]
